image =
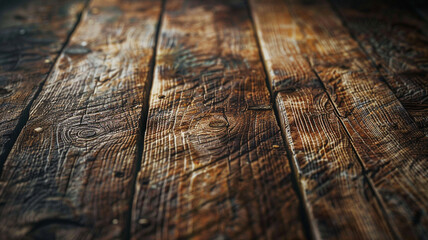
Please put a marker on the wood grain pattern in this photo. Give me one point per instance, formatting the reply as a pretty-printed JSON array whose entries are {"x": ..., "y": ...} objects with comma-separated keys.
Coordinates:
[
  {"x": 397, "y": 42},
  {"x": 31, "y": 36},
  {"x": 340, "y": 202},
  {"x": 71, "y": 172},
  {"x": 390, "y": 145},
  {"x": 214, "y": 163},
  {"x": 339, "y": 198}
]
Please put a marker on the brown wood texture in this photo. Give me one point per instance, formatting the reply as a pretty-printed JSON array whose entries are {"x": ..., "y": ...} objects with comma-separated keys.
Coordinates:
[
  {"x": 71, "y": 172},
  {"x": 214, "y": 164},
  {"x": 330, "y": 174},
  {"x": 31, "y": 36},
  {"x": 87, "y": 152},
  {"x": 391, "y": 147},
  {"x": 396, "y": 40}
]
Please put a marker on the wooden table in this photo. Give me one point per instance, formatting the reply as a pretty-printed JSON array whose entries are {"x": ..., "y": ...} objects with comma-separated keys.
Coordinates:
[{"x": 177, "y": 119}]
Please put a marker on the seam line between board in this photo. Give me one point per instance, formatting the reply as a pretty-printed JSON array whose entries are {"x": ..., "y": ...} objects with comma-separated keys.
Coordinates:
[
  {"x": 143, "y": 123},
  {"x": 25, "y": 114},
  {"x": 307, "y": 220}
]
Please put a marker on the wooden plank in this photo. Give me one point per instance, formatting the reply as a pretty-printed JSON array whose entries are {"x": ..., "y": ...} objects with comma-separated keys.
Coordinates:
[
  {"x": 340, "y": 203},
  {"x": 31, "y": 36},
  {"x": 339, "y": 198},
  {"x": 397, "y": 42},
  {"x": 387, "y": 141},
  {"x": 214, "y": 163},
  {"x": 71, "y": 172}
]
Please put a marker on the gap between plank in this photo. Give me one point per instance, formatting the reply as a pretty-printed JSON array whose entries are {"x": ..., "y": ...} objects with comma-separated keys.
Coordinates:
[
  {"x": 309, "y": 230},
  {"x": 143, "y": 122},
  {"x": 378, "y": 198},
  {"x": 361, "y": 162},
  {"x": 24, "y": 116},
  {"x": 369, "y": 56}
]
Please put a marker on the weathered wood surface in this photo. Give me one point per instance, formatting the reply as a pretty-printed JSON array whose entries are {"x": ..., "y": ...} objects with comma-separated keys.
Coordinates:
[
  {"x": 396, "y": 40},
  {"x": 391, "y": 147},
  {"x": 340, "y": 204},
  {"x": 31, "y": 36},
  {"x": 214, "y": 164},
  {"x": 71, "y": 172}
]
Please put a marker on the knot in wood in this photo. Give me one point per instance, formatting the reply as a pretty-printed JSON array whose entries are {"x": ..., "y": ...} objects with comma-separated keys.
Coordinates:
[
  {"x": 86, "y": 133},
  {"x": 79, "y": 135},
  {"x": 218, "y": 124},
  {"x": 143, "y": 221}
]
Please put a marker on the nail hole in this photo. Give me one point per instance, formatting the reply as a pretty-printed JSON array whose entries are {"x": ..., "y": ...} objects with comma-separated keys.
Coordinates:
[
  {"x": 145, "y": 181},
  {"x": 77, "y": 50},
  {"x": 119, "y": 174},
  {"x": 143, "y": 221}
]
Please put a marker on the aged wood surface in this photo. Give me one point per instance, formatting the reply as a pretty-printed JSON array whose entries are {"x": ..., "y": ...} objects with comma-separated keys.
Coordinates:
[
  {"x": 396, "y": 40},
  {"x": 202, "y": 155},
  {"x": 391, "y": 147},
  {"x": 330, "y": 174},
  {"x": 31, "y": 36},
  {"x": 71, "y": 172},
  {"x": 214, "y": 164}
]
